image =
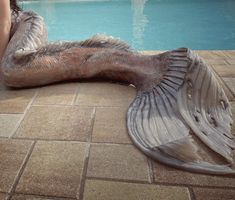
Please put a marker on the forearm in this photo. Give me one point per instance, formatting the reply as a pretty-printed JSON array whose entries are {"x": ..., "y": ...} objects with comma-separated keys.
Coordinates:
[{"x": 4, "y": 35}]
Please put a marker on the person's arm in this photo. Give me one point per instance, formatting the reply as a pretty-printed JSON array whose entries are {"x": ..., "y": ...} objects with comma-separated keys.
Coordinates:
[{"x": 5, "y": 25}]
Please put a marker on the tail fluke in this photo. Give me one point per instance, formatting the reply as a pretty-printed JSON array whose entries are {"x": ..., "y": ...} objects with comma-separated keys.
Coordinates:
[{"x": 188, "y": 98}]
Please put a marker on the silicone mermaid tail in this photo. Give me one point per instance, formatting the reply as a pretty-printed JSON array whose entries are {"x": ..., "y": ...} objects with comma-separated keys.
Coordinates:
[{"x": 179, "y": 103}]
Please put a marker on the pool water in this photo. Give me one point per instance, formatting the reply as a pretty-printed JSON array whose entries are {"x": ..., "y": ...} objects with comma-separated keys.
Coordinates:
[{"x": 144, "y": 24}]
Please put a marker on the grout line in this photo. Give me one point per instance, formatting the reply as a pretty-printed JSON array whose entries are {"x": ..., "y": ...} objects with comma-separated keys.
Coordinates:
[
  {"x": 75, "y": 96},
  {"x": 6, "y": 114},
  {"x": 62, "y": 140},
  {"x": 191, "y": 185},
  {"x": 150, "y": 170},
  {"x": 92, "y": 127},
  {"x": 227, "y": 62},
  {"x": 191, "y": 193},
  {"x": 23, "y": 115},
  {"x": 118, "y": 180},
  {"x": 84, "y": 174},
  {"x": 11, "y": 113},
  {"x": 152, "y": 161},
  {"x": 76, "y": 105},
  {"x": 223, "y": 82},
  {"x": 159, "y": 183},
  {"x": 20, "y": 172},
  {"x": 228, "y": 88},
  {"x": 85, "y": 167},
  {"x": 45, "y": 196}
]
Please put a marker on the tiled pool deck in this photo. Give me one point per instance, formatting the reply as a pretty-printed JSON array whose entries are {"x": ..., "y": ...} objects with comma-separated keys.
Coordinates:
[{"x": 69, "y": 141}]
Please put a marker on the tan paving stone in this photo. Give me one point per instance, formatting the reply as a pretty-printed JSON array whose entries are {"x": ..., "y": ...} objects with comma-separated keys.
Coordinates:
[
  {"x": 211, "y": 54},
  {"x": 54, "y": 169},
  {"x": 110, "y": 125},
  {"x": 57, "y": 122},
  {"x": 165, "y": 174},
  {"x": 105, "y": 190},
  {"x": 12, "y": 154},
  {"x": 15, "y": 101},
  {"x": 31, "y": 197},
  {"x": 230, "y": 54},
  {"x": 62, "y": 94},
  {"x": 8, "y": 124},
  {"x": 225, "y": 70},
  {"x": 105, "y": 94},
  {"x": 118, "y": 162},
  {"x": 214, "y": 194},
  {"x": 230, "y": 82},
  {"x": 227, "y": 91},
  {"x": 216, "y": 61},
  {"x": 231, "y": 61}
]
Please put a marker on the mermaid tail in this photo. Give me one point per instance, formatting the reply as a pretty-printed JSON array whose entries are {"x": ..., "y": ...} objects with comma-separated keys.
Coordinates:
[
  {"x": 179, "y": 104},
  {"x": 188, "y": 102}
]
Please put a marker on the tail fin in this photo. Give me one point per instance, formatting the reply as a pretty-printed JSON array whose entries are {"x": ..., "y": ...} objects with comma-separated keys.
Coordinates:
[{"x": 188, "y": 98}]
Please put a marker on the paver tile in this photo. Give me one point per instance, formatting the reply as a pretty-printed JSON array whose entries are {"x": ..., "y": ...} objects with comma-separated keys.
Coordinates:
[
  {"x": 227, "y": 91},
  {"x": 214, "y": 194},
  {"x": 54, "y": 169},
  {"x": 110, "y": 125},
  {"x": 8, "y": 124},
  {"x": 57, "y": 122},
  {"x": 230, "y": 82},
  {"x": 211, "y": 54},
  {"x": 62, "y": 94},
  {"x": 12, "y": 155},
  {"x": 165, "y": 174},
  {"x": 31, "y": 197},
  {"x": 229, "y": 54},
  {"x": 216, "y": 61},
  {"x": 225, "y": 70},
  {"x": 105, "y": 94},
  {"x": 117, "y": 162},
  {"x": 231, "y": 61},
  {"x": 106, "y": 190},
  {"x": 15, "y": 101}
]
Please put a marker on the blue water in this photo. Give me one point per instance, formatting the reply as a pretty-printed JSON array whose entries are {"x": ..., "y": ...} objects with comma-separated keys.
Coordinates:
[{"x": 145, "y": 24}]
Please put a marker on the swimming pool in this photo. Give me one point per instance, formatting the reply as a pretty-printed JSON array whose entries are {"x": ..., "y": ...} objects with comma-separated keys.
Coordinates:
[{"x": 145, "y": 24}]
